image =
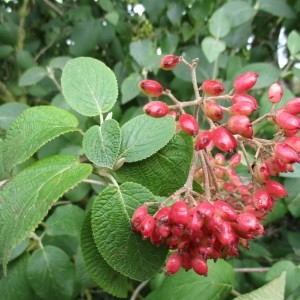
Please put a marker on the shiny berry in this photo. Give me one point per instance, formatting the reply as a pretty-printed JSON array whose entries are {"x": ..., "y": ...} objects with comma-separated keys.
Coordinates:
[
  {"x": 199, "y": 265},
  {"x": 242, "y": 97},
  {"x": 213, "y": 111},
  {"x": 245, "y": 82},
  {"x": 242, "y": 108},
  {"x": 148, "y": 227},
  {"x": 262, "y": 200},
  {"x": 169, "y": 62},
  {"x": 150, "y": 87},
  {"x": 138, "y": 217},
  {"x": 156, "y": 109},
  {"x": 287, "y": 120},
  {"x": 240, "y": 124},
  {"x": 261, "y": 172},
  {"x": 224, "y": 140},
  {"x": 275, "y": 189},
  {"x": 203, "y": 140},
  {"x": 173, "y": 263},
  {"x": 179, "y": 213},
  {"x": 213, "y": 87},
  {"x": 275, "y": 92},
  {"x": 286, "y": 153},
  {"x": 293, "y": 106},
  {"x": 189, "y": 124},
  {"x": 225, "y": 211}
]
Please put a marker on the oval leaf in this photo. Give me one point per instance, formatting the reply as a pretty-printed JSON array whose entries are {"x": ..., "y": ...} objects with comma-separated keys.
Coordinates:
[
  {"x": 99, "y": 270},
  {"x": 101, "y": 144},
  {"x": 26, "y": 198},
  {"x": 129, "y": 88},
  {"x": 219, "y": 24},
  {"x": 9, "y": 111},
  {"x": 157, "y": 173},
  {"x": 212, "y": 48},
  {"x": 51, "y": 273},
  {"x": 144, "y": 135},
  {"x": 189, "y": 285},
  {"x": 34, "y": 128},
  {"x": 32, "y": 76},
  {"x": 123, "y": 249},
  {"x": 89, "y": 86}
]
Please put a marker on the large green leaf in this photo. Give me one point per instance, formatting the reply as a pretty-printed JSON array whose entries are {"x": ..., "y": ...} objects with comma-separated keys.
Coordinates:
[
  {"x": 123, "y": 249},
  {"x": 219, "y": 24},
  {"x": 51, "y": 273},
  {"x": 99, "y": 270},
  {"x": 26, "y": 198},
  {"x": 101, "y": 144},
  {"x": 189, "y": 285},
  {"x": 165, "y": 171},
  {"x": 89, "y": 86},
  {"x": 34, "y": 128},
  {"x": 276, "y": 7},
  {"x": 142, "y": 136},
  {"x": 273, "y": 290}
]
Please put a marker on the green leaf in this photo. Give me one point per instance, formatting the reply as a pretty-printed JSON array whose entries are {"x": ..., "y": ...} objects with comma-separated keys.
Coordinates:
[
  {"x": 123, "y": 249},
  {"x": 106, "y": 5},
  {"x": 293, "y": 42},
  {"x": 129, "y": 87},
  {"x": 174, "y": 13},
  {"x": 59, "y": 62},
  {"x": 189, "y": 285},
  {"x": 292, "y": 201},
  {"x": 9, "y": 111},
  {"x": 65, "y": 220},
  {"x": 277, "y": 8},
  {"x": 5, "y": 51},
  {"x": 212, "y": 48},
  {"x": 89, "y": 86},
  {"x": 99, "y": 270},
  {"x": 101, "y": 144},
  {"x": 273, "y": 290},
  {"x": 157, "y": 172},
  {"x": 32, "y": 76},
  {"x": 26, "y": 198},
  {"x": 267, "y": 72},
  {"x": 143, "y": 135},
  {"x": 34, "y": 128},
  {"x": 113, "y": 17},
  {"x": 51, "y": 273},
  {"x": 219, "y": 24},
  {"x": 16, "y": 285},
  {"x": 239, "y": 12},
  {"x": 278, "y": 212},
  {"x": 140, "y": 50}
]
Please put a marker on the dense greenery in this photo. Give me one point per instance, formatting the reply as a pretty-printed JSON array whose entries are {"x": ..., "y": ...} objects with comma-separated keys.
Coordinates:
[{"x": 45, "y": 247}]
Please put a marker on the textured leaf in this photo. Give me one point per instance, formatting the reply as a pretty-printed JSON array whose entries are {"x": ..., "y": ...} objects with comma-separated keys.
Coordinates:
[
  {"x": 101, "y": 144},
  {"x": 32, "y": 76},
  {"x": 34, "y": 128},
  {"x": 143, "y": 136},
  {"x": 165, "y": 171},
  {"x": 89, "y": 86},
  {"x": 123, "y": 249},
  {"x": 51, "y": 273},
  {"x": 129, "y": 88},
  {"x": 293, "y": 42},
  {"x": 9, "y": 111},
  {"x": 273, "y": 290},
  {"x": 212, "y": 48},
  {"x": 189, "y": 285},
  {"x": 99, "y": 270},
  {"x": 26, "y": 198},
  {"x": 16, "y": 285},
  {"x": 276, "y": 7},
  {"x": 65, "y": 220},
  {"x": 219, "y": 24}
]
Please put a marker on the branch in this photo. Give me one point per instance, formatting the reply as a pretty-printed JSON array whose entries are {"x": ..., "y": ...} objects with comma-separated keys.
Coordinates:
[{"x": 54, "y": 8}]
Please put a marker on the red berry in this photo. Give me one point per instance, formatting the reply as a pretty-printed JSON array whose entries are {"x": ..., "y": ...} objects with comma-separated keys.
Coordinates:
[
  {"x": 286, "y": 153},
  {"x": 293, "y": 106},
  {"x": 262, "y": 200},
  {"x": 195, "y": 221},
  {"x": 148, "y": 227},
  {"x": 245, "y": 223},
  {"x": 206, "y": 210},
  {"x": 226, "y": 235},
  {"x": 138, "y": 217},
  {"x": 242, "y": 108},
  {"x": 287, "y": 120},
  {"x": 261, "y": 172},
  {"x": 156, "y": 239},
  {"x": 225, "y": 211},
  {"x": 244, "y": 98},
  {"x": 178, "y": 230},
  {"x": 213, "y": 87},
  {"x": 150, "y": 87},
  {"x": 163, "y": 214},
  {"x": 172, "y": 113},
  {"x": 163, "y": 229},
  {"x": 203, "y": 140},
  {"x": 294, "y": 142},
  {"x": 239, "y": 124},
  {"x": 173, "y": 263},
  {"x": 275, "y": 189},
  {"x": 156, "y": 109},
  {"x": 179, "y": 213},
  {"x": 224, "y": 140},
  {"x": 189, "y": 124},
  {"x": 213, "y": 111},
  {"x": 169, "y": 62},
  {"x": 186, "y": 261},
  {"x": 219, "y": 159},
  {"x": 199, "y": 265},
  {"x": 245, "y": 82},
  {"x": 275, "y": 92},
  {"x": 235, "y": 160}
]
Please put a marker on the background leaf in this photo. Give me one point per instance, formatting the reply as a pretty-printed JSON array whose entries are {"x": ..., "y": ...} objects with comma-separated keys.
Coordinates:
[
  {"x": 9, "y": 111},
  {"x": 32, "y": 76},
  {"x": 219, "y": 24},
  {"x": 89, "y": 86},
  {"x": 129, "y": 88},
  {"x": 212, "y": 48},
  {"x": 100, "y": 271},
  {"x": 27, "y": 197},
  {"x": 101, "y": 144},
  {"x": 34, "y": 128},
  {"x": 142, "y": 136},
  {"x": 123, "y": 249},
  {"x": 165, "y": 171},
  {"x": 189, "y": 285},
  {"x": 293, "y": 42},
  {"x": 276, "y": 7}
]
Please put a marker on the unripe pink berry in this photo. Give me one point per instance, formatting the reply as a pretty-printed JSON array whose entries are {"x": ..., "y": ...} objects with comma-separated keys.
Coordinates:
[
  {"x": 275, "y": 189},
  {"x": 242, "y": 97},
  {"x": 179, "y": 213},
  {"x": 213, "y": 111},
  {"x": 261, "y": 172},
  {"x": 173, "y": 263},
  {"x": 294, "y": 142},
  {"x": 213, "y": 87},
  {"x": 224, "y": 140},
  {"x": 156, "y": 109},
  {"x": 203, "y": 139},
  {"x": 235, "y": 160},
  {"x": 169, "y": 62},
  {"x": 286, "y": 153},
  {"x": 275, "y": 92},
  {"x": 148, "y": 227},
  {"x": 189, "y": 124},
  {"x": 150, "y": 87},
  {"x": 287, "y": 120},
  {"x": 245, "y": 82},
  {"x": 138, "y": 218},
  {"x": 219, "y": 159},
  {"x": 172, "y": 113},
  {"x": 199, "y": 265},
  {"x": 242, "y": 108},
  {"x": 293, "y": 106},
  {"x": 239, "y": 124},
  {"x": 262, "y": 200}
]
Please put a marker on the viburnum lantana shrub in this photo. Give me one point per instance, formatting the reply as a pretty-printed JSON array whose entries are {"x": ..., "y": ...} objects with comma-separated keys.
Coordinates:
[{"x": 172, "y": 196}]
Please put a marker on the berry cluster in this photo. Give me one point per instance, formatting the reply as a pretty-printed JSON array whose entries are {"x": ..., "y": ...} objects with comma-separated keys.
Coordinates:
[{"x": 199, "y": 226}]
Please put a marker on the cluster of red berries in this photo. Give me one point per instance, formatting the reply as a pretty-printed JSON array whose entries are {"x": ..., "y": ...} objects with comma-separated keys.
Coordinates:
[{"x": 197, "y": 227}]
